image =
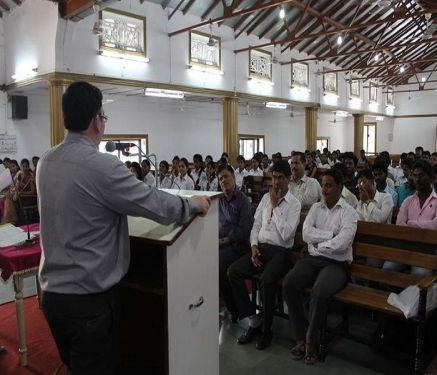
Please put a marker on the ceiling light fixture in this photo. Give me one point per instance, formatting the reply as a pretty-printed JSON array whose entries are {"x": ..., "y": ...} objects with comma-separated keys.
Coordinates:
[
  {"x": 161, "y": 93},
  {"x": 340, "y": 40},
  {"x": 376, "y": 58},
  {"x": 423, "y": 79},
  {"x": 402, "y": 69},
  {"x": 282, "y": 13}
]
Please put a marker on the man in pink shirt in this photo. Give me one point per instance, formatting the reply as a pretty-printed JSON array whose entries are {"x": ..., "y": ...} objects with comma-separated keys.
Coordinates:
[{"x": 418, "y": 210}]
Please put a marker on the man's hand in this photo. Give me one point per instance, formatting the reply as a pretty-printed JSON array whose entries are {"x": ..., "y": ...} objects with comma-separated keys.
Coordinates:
[
  {"x": 275, "y": 196},
  {"x": 256, "y": 256},
  {"x": 203, "y": 202},
  {"x": 364, "y": 194}
]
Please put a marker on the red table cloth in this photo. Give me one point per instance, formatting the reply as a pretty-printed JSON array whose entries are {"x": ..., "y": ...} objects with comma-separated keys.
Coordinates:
[{"x": 15, "y": 260}]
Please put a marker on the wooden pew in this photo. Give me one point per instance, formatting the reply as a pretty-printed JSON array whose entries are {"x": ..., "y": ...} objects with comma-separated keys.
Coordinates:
[{"x": 410, "y": 246}]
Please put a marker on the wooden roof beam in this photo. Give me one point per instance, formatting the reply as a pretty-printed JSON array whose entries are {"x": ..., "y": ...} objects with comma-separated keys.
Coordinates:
[
  {"x": 210, "y": 9},
  {"x": 188, "y": 6},
  {"x": 256, "y": 7}
]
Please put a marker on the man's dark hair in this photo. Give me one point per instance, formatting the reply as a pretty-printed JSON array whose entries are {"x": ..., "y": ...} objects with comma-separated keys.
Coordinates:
[
  {"x": 225, "y": 154},
  {"x": 282, "y": 166},
  {"x": 222, "y": 167},
  {"x": 408, "y": 162},
  {"x": 198, "y": 157},
  {"x": 341, "y": 167},
  {"x": 80, "y": 103},
  {"x": 6, "y": 160},
  {"x": 350, "y": 155},
  {"x": 427, "y": 153},
  {"x": 365, "y": 173},
  {"x": 35, "y": 158},
  {"x": 25, "y": 161},
  {"x": 420, "y": 148},
  {"x": 145, "y": 161},
  {"x": 423, "y": 165},
  {"x": 241, "y": 157},
  {"x": 335, "y": 174},
  {"x": 176, "y": 158},
  {"x": 301, "y": 155},
  {"x": 278, "y": 155},
  {"x": 380, "y": 165}
]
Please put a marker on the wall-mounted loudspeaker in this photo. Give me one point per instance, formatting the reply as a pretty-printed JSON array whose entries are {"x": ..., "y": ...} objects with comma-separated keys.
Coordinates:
[{"x": 19, "y": 107}]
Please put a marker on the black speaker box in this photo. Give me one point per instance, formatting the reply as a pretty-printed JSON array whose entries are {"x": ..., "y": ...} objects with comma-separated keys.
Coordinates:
[{"x": 19, "y": 107}]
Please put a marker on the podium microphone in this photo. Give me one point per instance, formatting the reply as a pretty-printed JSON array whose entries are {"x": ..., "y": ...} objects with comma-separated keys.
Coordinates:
[{"x": 112, "y": 146}]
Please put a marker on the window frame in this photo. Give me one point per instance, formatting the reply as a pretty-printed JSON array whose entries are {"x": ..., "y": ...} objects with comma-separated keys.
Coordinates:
[
  {"x": 253, "y": 137},
  {"x": 128, "y": 138}
]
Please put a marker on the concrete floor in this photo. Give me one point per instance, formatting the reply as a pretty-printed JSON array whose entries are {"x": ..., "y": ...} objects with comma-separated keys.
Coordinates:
[{"x": 344, "y": 356}]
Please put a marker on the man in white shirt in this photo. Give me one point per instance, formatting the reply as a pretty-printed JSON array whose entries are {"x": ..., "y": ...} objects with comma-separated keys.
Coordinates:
[
  {"x": 271, "y": 239},
  {"x": 306, "y": 189},
  {"x": 329, "y": 230},
  {"x": 346, "y": 194},
  {"x": 373, "y": 205}
]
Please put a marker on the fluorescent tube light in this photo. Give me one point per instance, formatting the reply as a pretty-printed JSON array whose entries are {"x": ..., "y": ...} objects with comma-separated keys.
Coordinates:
[
  {"x": 161, "y": 93},
  {"x": 276, "y": 105}
]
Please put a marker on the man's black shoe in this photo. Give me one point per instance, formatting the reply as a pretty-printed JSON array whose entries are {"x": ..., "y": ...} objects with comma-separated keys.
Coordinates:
[
  {"x": 249, "y": 335},
  {"x": 264, "y": 340}
]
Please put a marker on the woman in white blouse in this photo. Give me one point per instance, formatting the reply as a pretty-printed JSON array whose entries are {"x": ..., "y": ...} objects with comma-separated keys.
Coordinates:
[
  {"x": 210, "y": 182},
  {"x": 183, "y": 181},
  {"x": 255, "y": 170},
  {"x": 164, "y": 178}
]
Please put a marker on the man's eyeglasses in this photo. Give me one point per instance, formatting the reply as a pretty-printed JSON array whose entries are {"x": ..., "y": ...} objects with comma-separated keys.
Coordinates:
[{"x": 103, "y": 117}]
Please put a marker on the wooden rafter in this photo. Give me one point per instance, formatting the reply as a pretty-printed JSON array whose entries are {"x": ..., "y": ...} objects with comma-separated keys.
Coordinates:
[
  {"x": 271, "y": 4},
  {"x": 188, "y": 6},
  {"x": 165, "y": 3},
  {"x": 210, "y": 9},
  {"x": 175, "y": 9},
  {"x": 339, "y": 29},
  {"x": 4, "y": 7}
]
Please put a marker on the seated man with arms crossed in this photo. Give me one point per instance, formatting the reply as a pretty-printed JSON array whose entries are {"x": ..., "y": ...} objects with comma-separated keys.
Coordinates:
[
  {"x": 271, "y": 238},
  {"x": 329, "y": 230},
  {"x": 235, "y": 223},
  {"x": 306, "y": 189}
]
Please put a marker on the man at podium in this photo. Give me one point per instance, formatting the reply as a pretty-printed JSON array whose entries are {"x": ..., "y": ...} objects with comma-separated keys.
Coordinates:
[{"x": 84, "y": 198}]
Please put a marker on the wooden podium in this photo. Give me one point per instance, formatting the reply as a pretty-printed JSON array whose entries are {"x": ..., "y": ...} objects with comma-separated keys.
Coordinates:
[{"x": 169, "y": 297}]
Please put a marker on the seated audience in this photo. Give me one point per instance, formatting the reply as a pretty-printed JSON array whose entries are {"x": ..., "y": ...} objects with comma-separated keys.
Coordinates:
[
  {"x": 210, "y": 182},
  {"x": 149, "y": 178},
  {"x": 307, "y": 190},
  {"x": 255, "y": 169},
  {"x": 350, "y": 160},
  {"x": 265, "y": 163},
  {"x": 418, "y": 210},
  {"x": 379, "y": 170},
  {"x": 208, "y": 158},
  {"x": 271, "y": 239},
  {"x": 175, "y": 166},
  {"x": 362, "y": 159},
  {"x": 373, "y": 206},
  {"x": 329, "y": 231},
  {"x": 433, "y": 159},
  {"x": 198, "y": 174},
  {"x": 164, "y": 177},
  {"x": 345, "y": 193},
  {"x": 235, "y": 223},
  {"x": 25, "y": 180},
  {"x": 184, "y": 180},
  {"x": 310, "y": 165},
  {"x": 240, "y": 171},
  {"x": 135, "y": 168},
  {"x": 406, "y": 188},
  {"x": 418, "y": 152},
  {"x": 324, "y": 162},
  {"x": 35, "y": 160}
]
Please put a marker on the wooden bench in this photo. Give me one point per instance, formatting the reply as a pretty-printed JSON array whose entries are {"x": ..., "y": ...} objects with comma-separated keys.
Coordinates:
[{"x": 410, "y": 246}]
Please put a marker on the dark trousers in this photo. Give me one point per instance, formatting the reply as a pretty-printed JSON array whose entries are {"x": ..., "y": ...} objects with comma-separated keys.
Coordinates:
[
  {"x": 326, "y": 277},
  {"x": 276, "y": 262},
  {"x": 85, "y": 329},
  {"x": 227, "y": 256}
]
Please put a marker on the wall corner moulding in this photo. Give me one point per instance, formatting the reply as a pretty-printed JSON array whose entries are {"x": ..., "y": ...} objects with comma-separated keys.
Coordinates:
[{"x": 122, "y": 35}]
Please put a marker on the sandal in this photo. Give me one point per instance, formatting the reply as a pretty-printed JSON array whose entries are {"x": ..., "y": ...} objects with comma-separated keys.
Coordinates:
[
  {"x": 298, "y": 351},
  {"x": 311, "y": 356}
]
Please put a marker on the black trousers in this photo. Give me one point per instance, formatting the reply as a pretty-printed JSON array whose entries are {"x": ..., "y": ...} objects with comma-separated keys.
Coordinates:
[
  {"x": 326, "y": 277},
  {"x": 227, "y": 256},
  {"x": 276, "y": 263},
  {"x": 85, "y": 329}
]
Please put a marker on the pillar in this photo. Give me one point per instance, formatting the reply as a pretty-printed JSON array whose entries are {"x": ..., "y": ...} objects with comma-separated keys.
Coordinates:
[
  {"x": 56, "y": 121},
  {"x": 230, "y": 128},
  {"x": 358, "y": 133},
  {"x": 310, "y": 128}
]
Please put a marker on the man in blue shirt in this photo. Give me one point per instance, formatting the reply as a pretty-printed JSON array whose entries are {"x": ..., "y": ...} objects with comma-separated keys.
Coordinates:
[
  {"x": 235, "y": 223},
  {"x": 379, "y": 170}
]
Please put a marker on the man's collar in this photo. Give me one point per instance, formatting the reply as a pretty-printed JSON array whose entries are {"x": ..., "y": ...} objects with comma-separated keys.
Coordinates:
[{"x": 80, "y": 138}]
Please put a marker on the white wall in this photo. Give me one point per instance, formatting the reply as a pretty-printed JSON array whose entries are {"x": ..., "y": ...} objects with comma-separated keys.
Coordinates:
[
  {"x": 30, "y": 32},
  {"x": 2, "y": 52},
  {"x": 341, "y": 134}
]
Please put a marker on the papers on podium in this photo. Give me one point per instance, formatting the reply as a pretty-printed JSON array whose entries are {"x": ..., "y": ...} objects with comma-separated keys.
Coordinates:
[
  {"x": 11, "y": 235},
  {"x": 5, "y": 178}
]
